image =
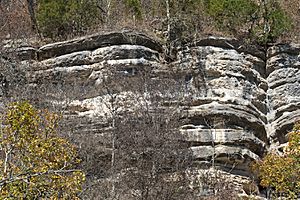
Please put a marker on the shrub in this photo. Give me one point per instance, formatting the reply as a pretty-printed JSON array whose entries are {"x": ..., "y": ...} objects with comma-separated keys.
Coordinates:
[
  {"x": 35, "y": 162},
  {"x": 135, "y": 7},
  {"x": 283, "y": 172},
  {"x": 59, "y": 18},
  {"x": 230, "y": 14},
  {"x": 265, "y": 21},
  {"x": 272, "y": 23}
]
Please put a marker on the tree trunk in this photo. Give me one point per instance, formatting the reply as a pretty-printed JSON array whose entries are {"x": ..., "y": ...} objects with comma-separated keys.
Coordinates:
[{"x": 31, "y": 10}]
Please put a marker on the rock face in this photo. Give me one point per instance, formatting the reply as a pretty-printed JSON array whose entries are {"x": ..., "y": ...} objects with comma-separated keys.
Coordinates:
[
  {"x": 283, "y": 70},
  {"x": 228, "y": 109},
  {"x": 242, "y": 100}
]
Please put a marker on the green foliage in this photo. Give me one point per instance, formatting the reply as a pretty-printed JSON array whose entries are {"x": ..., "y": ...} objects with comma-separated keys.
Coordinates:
[
  {"x": 58, "y": 18},
  {"x": 230, "y": 14},
  {"x": 283, "y": 172},
  {"x": 184, "y": 5},
  {"x": 265, "y": 21},
  {"x": 274, "y": 22},
  {"x": 135, "y": 7},
  {"x": 35, "y": 162}
]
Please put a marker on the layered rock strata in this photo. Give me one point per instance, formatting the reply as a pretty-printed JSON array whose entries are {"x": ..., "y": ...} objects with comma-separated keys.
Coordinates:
[
  {"x": 229, "y": 107},
  {"x": 283, "y": 77},
  {"x": 241, "y": 98}
]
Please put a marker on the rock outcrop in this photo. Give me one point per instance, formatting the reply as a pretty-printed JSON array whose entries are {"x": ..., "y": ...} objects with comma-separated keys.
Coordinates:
[
  {"x": 242, "y": 99},
  {"x": 283, "y": 77},
  {"x": 228, "y": 110}
]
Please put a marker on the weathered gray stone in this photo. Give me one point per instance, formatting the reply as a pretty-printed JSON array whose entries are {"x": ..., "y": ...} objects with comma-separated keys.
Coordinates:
[
  {"x": 239, "y": 99},
  {"x": 230, "y": 43},
  {"x": 283, "y": 68},
  {"x": 97, "y": 41}
]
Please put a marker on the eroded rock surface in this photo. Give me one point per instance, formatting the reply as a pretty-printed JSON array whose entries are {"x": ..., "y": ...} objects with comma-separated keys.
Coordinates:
[
  {"x": 283, "y": 70},
  {"x": 228, "y": 109},
  {"x": 241, "y": 99}
]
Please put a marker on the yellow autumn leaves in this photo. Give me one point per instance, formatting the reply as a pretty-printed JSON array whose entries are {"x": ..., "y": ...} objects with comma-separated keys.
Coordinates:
[
  {"x": 35, "y": 163},
  {"x": 283, "y": 172}
]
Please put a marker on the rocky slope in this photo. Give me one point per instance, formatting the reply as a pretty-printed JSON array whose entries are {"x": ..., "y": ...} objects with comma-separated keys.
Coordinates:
[{"x": 242, "y": 100}]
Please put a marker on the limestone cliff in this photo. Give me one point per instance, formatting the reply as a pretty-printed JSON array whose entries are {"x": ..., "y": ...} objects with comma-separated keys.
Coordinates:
[{"x": 242, "y": 99}]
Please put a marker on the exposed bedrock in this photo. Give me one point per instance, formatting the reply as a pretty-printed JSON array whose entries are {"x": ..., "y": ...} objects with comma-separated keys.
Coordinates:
[
  {"x": 83, "y": 59},
  {"x": 97, "y": 41},
  {"x": 227, "y": 113},
  {"x": 240, "y": 100},
  {"x": 283, "y": 68},
  {"x": 70, "y": 74},
  {"x": 78, "y": 67}
]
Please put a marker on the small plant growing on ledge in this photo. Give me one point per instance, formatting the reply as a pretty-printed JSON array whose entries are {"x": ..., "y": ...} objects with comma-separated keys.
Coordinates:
[{"x": 283, "y": 172}]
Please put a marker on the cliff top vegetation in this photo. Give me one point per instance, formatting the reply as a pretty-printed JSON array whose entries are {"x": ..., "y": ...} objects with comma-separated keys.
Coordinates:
[{"x": 172, "y": 21}]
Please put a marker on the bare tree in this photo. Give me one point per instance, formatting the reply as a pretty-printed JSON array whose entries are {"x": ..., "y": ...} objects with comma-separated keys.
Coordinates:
[
  {"x": 31, "y": 6},
  {"x": 148, "y": 157}
]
